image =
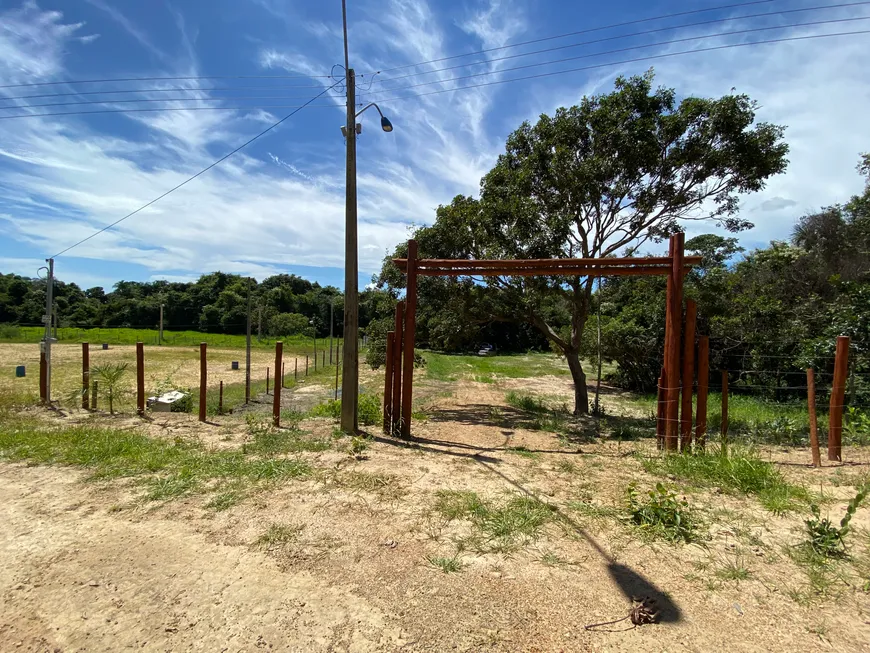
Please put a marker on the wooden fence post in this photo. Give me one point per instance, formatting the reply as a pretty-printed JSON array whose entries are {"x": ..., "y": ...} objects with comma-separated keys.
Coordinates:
[
  {"x": 267, "y": 381},
  {"x": 276, "y": 398},
  {"x": 660, "y": 409},
  {"x": 397, "y": 367},
  {"x": 203, "y": 380},
  {"x": 140, "y": 378},
  {"x": 838, "y": 398},
  {"x": 724, "y": 411},
  {"x": 688, "y": 375},
  {"x": 86, "y": 374},
  {"x": 388, "y": 384},
  {"x": 221, "y": 400},
  {"x": 410, "y": 330},
  {"x": 703, "y": 383},
  {"x": 814, "y": 427},
  {"x": 94, "y": 396}
]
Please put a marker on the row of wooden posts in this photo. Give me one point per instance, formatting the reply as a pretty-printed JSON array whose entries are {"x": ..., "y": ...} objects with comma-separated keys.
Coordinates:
[
  {"x": 676, "y": 380},
  {"x": 90, "y": 388}
]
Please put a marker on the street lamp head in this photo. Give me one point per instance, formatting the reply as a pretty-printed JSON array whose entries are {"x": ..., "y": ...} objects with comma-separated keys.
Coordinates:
[{"x": 386, "y": 125}]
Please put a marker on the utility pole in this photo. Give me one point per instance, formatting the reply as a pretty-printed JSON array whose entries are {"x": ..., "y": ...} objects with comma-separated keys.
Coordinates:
[
  {"x": 248, "y": 350},
  {"x": 350, "y": 372},
  {"x": 331, "y": 321},
  {"x": 49, "y": 299},
  {"x": 160, "y": 333}
]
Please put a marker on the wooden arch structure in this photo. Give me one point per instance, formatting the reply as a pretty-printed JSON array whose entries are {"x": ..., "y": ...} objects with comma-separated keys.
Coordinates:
[{"x": 398, "y": 384}]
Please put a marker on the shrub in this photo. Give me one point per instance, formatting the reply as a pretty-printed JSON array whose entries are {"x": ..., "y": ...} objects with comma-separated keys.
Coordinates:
[
  {"x": 662, "y": 514},
  {"x": 826, "y": 539}
]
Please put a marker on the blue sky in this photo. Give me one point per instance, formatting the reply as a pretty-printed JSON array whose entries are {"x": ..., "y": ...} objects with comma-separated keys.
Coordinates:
[{"x": 279, "y": 205}]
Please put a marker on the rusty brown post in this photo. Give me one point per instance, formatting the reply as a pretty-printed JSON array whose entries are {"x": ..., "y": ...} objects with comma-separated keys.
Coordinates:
[
  {"x": 306, "y": 364},
  {"x": 388, "y": 384},
  {"x": 203, "y": 380},
  {"x": 276, "y": 398},
  {"x": 43, "y": 376},
  {"x": 724, "y": 430},
  {"x": 838, "y": 397},
  {"x": 86, "y": 374},
  {"x": 675, "y": 310},
  {"x": 267, "y": 380},
  {"x": 140, "y": 378},
  {"x": 703, "y": 382},
  {"x": 688, "y": 375},
  {"x": 397, "y": 367},
  {"x": 660, "y": 409},
  {"x": 410, "y": 331},
  {"x": 814, "y": 427},
  {"x": 221, "y": 400}
]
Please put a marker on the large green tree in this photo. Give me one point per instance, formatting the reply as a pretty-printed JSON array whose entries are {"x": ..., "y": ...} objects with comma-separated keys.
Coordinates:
[{"x": 613, "y": 172}]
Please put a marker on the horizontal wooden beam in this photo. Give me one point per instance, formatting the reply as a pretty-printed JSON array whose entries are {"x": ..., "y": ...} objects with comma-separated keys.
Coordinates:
[
  {"x": 550, "y": 272},
  {"x": 597, "y": 263}
]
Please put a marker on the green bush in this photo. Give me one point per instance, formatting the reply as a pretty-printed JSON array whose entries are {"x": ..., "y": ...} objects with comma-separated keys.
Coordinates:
[
  {"x": 662, "y": 514},
  {"x": 826, "y": 539}
]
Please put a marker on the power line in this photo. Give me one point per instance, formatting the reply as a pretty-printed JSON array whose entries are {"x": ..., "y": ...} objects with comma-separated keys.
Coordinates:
[
  {"x": 167, "y": 79},
  {"x": 613, "y": 63},
  {"x": 174, "y": 99},
  {"x": 163, "y": 90},
  {"x": 577, "y": 33},
  {"x": 633, "y": 47},
  {"x": 201, "y": 172},
  {"x": 233, "y": 108},
  {"x": 642, "y": 33}
]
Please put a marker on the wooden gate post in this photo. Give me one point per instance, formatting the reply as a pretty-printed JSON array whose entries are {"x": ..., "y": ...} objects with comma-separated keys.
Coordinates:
[
  {"x": 838, "y": 398},
  {"x": 397, "y": 367},
  {"x": 688, "y": 375},
  {"x": 203, "y": 379},
  {"x": 724, "y": 411},
  {"x": 675, "y": 312},
  {"x": 410, "y": 331},
  {"x": 703, "y": 383},
  {"x": 140, "y": 378},
  {"x": 86, "y": 374},
  {"x": 814, "y": 427},
  {"x": 276, "y": 397},
  {"x": 388, "y": 384},
  {"x": 660, "y": 409}
]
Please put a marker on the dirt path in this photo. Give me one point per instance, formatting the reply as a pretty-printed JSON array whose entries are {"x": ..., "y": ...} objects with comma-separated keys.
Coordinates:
[{"x": 75, "y": 578}]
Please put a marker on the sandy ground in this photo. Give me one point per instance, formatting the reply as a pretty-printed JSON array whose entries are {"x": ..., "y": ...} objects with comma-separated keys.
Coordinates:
[{"x": 89, "y": 567}]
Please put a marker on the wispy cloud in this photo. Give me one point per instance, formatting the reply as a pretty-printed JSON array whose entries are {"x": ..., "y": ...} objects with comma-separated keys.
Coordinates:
[{"x": 138, "y": 34}]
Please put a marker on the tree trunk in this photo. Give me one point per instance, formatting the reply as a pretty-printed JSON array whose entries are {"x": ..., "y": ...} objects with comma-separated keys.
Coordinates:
[{"x": 581, "y": 396}]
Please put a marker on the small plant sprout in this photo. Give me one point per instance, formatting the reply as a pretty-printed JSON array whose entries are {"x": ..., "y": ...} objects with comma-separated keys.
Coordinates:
[
  {"x": 109, "y": 376},
  {"x": 663, "y": 514},
  {"x": 826, "y": 539}
]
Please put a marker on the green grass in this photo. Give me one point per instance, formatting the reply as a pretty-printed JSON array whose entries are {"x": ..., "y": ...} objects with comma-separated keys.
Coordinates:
[
  {"x": 447, "y": 565},
  {"x": 740, "y": 470},
  {"x": 501, "y": 526},
  {"x": 123, "y": 336},
  {"x": 539, "y": 415},
  {"x": 166, "y": 469},
  {"x": 449, "y": 367},
  {"x": 277, "y": 535},
  {"x": 368, "y": 409},
  {"x": 753, "y": 419}
]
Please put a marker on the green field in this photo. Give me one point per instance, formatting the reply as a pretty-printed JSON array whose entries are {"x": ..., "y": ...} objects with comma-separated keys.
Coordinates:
[{"x": 121, "y": 336}]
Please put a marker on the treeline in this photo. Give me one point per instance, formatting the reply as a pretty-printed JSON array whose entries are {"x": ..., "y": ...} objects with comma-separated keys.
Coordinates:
[{"x": 216, "y": 303}]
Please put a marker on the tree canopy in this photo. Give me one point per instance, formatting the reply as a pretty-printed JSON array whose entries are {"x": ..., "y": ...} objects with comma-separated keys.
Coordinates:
[{"x": 617, "y": 170}]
